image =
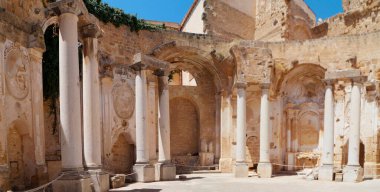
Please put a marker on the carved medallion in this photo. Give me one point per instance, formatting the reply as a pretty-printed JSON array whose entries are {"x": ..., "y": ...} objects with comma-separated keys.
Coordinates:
[
  {"x": 123, "y": 100},
  {"x": 16, "y": 71}
]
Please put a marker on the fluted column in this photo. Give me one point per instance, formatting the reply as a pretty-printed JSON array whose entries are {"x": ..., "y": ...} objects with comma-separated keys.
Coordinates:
[
  {"x": 91, "y": 103},
  {"x": 241, "y": 167},
  {"x": 69, "y": 89},
  {"x": 264, "y": 168},
  {"x": 353, "y": 172},
  {"x": 326, "y": 171}
]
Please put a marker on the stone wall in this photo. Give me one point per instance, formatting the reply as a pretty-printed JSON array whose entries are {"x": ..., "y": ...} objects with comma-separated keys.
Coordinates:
[
  {"x": 223, "y": 20},
  {"x": 356, "y": 21}
]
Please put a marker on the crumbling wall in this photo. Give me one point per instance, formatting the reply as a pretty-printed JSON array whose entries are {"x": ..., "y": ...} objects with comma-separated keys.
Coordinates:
[
  {"x": 224, "y": 20},
  {"x": 356, "y": 20}
]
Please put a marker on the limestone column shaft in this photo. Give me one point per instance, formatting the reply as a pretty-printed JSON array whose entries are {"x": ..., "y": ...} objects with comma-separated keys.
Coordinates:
[
  {"x": 152, "y": 121},
  {"x": 91, "y": 105},
  {"x": 328, "y": 134},
  {"x": 217, "y": 126},
  {"x": 38, "y": 108},
  {"x": 69, "y": 88},
  {"x": 164, "y": 129},
  {"x": 354, "y": 135},
  {"x": 264, "y": 125},
  {"x": 241, "y": 124},
  {"x": 141, "y": 123}
]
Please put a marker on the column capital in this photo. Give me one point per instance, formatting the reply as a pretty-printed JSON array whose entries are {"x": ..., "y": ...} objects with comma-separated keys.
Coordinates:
[
  {"x": 91, "y": 31},
  {"x": 265, "y": 85},
  {"x": 358, "y": 80},
  {"x": 142, "y": 61},
  {"x": 161, "y": 72},
  {"x": 241, "y": 85},
  {"x": 329, "y": 82},
  {"x": 66, "y": 6}
]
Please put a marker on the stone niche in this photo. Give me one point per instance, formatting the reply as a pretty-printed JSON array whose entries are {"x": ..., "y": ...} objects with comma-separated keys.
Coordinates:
[{"x": 303, "y": 98}]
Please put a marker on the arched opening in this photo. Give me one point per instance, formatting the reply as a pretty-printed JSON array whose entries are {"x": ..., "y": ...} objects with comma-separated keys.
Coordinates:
[
  {"x": 184, "y": 123},
  {"x": 302, "y": 92},
  {"x": 122, "y": 157},
  {"x": 184, "y": 132},
  {"x": 183, "y": 78}
]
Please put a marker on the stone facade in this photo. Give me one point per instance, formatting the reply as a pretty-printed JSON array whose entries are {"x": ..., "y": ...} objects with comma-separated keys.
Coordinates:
[{"x": 263, "y": 75}]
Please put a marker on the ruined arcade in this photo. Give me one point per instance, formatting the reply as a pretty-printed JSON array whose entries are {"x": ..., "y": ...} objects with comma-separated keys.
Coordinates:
[{"x": 240, "y": 86}]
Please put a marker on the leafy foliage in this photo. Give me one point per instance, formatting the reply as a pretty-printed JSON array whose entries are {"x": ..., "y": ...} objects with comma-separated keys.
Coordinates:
[{"x": 117, "y": 17}]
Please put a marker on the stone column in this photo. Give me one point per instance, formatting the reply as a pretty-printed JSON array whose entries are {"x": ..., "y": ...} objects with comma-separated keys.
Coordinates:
[
  {"x": 92, "y": 140},
  {"x": 353, "y": 172},
  {"x": 152, "y": 121},
  {"x": 326, "y": 171},
  {"x": 38, "y": 114},
  {"x": 165, "y": 170},
  {"x": 91, "y": 104},
  {"x": 69, "y": 88},
  {"x": 241, "y": 167},
  {"x": 217, "y": 126},
  {"x": 264, "y": 168},
  {"x": 225, "y": 162},
  {"x": 144, "y": 171}
]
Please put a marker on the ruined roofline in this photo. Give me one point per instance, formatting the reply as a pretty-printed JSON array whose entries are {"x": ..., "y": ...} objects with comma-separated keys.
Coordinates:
[{"x": 188, "y": 14}]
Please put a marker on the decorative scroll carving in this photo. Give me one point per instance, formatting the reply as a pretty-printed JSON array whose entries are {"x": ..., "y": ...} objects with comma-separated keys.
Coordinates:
[{"x": 16, "y": 70}]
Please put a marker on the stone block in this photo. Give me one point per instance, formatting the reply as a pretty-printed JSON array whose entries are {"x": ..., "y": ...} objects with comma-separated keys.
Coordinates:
[
  {"x": 225, "y": 165},
  {"x": 353, "y": 174},
  {"x": 206, "y": 159},
  {"x": 326, "y": 173},
  {"x": 165, "y": 172},
  {"x": 241, "y": 170},
  {"x": 144, "y": 173},
  {"x": 264, "y": 170},
  {"x": 100, "y": 180},
  {"x": 118, "y": 181},
  {"x": 339, "y": 74},
  {"x": 72, "y": 183}
]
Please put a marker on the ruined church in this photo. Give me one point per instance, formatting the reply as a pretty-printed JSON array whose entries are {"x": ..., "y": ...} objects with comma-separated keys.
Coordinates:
[{"x": 240, "y": 87}]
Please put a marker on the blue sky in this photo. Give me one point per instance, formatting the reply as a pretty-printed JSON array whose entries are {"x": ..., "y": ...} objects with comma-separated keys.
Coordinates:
[{"x": 175, "y": 10}]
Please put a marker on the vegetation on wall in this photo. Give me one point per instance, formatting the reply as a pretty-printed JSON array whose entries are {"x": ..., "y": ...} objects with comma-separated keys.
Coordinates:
[
  {"x": 117, "y": 17},
  {"x": 50, "y": 72}
]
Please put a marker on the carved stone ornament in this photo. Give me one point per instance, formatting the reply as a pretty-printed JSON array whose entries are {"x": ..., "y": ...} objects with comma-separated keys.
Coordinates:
[
  {"x": 16, "y": 70},
  {"x": 123, "y": 100}
]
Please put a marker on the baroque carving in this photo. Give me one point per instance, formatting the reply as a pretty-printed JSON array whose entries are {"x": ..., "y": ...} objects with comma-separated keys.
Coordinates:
[
  {"x": 123, "y": 100},
  {"x": 16, "y": 70}
]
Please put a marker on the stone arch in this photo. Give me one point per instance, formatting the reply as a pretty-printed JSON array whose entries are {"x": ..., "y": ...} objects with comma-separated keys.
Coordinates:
[
  {"x": 194, "y": 57},
  {"x": 185, "y": 130},
  {"x": 49, "y": 21}
]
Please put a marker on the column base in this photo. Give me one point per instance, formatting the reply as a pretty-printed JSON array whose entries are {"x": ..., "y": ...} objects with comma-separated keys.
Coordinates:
[
  {"x": 225, "y": 165},
  {"x": 371, "y": 170},
  {"x": 165, "y": 172},
  {"x": 144, "y": 173},
  {"x": 241, "y": 170},
  {"x": 326, "y": 173},
  {"x": 264, "y": 170},
  {"x": 78, "y": 182},
  {"x": 100, "y": 180},
  {"x": 352, "y": 173}
]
